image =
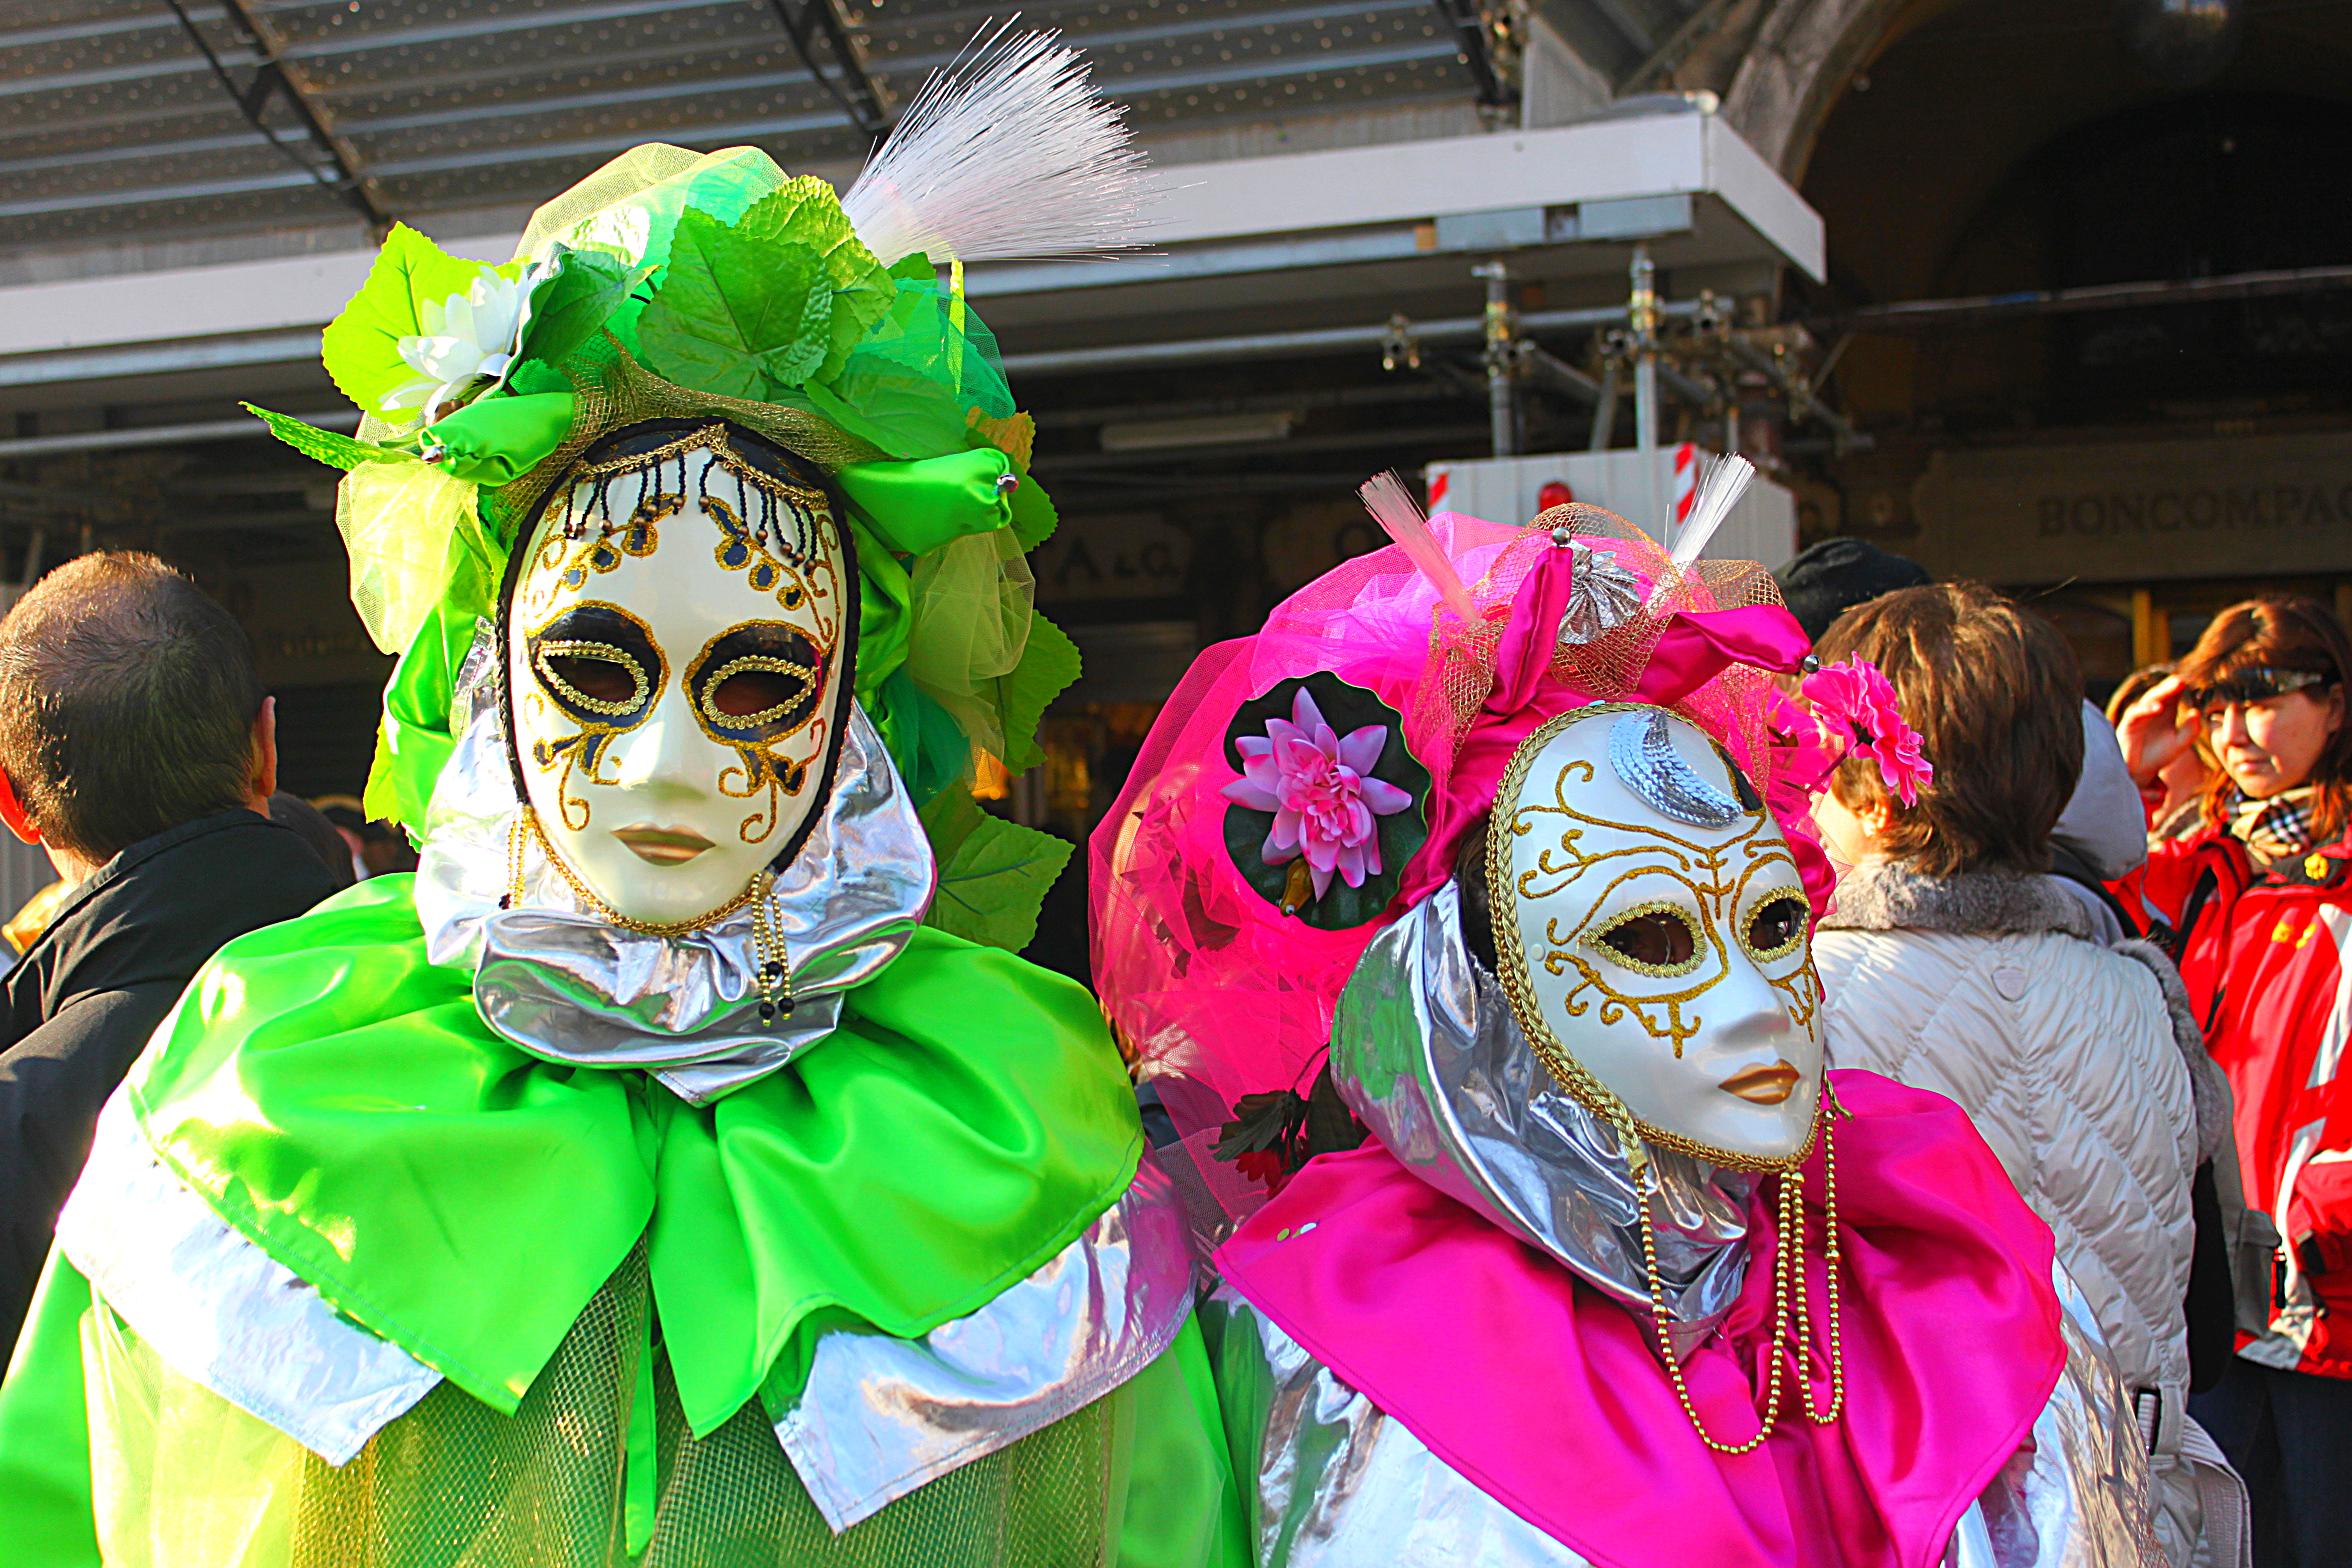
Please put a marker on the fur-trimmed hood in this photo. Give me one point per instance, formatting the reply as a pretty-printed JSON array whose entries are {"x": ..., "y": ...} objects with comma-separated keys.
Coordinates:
[{"x": 1888, "y": 897}]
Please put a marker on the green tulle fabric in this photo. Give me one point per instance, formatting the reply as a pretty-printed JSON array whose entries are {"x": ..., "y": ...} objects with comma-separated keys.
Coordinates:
[{"x": 338, "y": 1099}]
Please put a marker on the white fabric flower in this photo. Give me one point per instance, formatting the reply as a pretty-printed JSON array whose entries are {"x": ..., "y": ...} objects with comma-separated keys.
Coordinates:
[{"x": 468, "y": 337}]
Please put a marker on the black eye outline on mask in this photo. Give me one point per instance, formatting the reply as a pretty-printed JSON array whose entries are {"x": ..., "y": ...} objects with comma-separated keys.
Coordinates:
[
  {"x": 594, "y": 633},
  {"x": 773, "y": 652},
  {"x": 1797, "y": 914}
]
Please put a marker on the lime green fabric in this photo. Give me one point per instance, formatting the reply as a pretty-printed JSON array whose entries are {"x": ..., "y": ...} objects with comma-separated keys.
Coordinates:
[
  {"x": 338, "y": 1100},
  {"x": 919, "y": 506},
  {"x": 1182, "y": 1506},
  {"x": 413, "y": 738},
  {"x": 179, "y": 1478},
  {"x": 45, "y": 1430},
  {"x": 498, "y": 439}
]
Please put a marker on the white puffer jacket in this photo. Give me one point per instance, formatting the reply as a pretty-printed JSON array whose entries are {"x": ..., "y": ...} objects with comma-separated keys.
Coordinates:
[{"x": 1988, "y": 987}]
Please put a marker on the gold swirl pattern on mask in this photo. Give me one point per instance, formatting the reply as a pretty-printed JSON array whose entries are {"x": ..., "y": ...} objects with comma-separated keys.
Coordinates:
[
  {"x": 758, "y": 770},
  {"x": 776, "y": 534},
  {"x": 584, "y": 520}
]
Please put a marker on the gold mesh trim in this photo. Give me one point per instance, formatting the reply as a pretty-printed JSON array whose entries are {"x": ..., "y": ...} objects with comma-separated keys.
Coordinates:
[
  {"x": 615, "y": 391},
  {"x": 1461, "y": 672}
]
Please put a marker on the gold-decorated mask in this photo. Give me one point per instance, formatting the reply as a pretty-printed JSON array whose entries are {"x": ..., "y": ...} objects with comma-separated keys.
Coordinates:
[
  {"x": 1653, "y": 936},
  {"x": 678, "y": 632}
]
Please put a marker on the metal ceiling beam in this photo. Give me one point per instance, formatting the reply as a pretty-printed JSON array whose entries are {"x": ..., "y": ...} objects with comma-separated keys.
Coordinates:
[
  {"x": 273, "y": 81},
  {"x": 232, "y": 141},
  {"x": 1928, "y": 315},
  {"x": 869, "y": 104},
  {"x": 1119, "y": 89},
  {"x": 1495, "y": 78},
  {"x": 122, "y": 22},
  {"x": 361, "y": 42}
]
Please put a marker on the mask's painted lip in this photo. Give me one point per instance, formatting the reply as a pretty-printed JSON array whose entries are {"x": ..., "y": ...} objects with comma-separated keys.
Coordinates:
[
  {"x": 1764, "y": 1085},
  {"x": 662, "y": 846}
]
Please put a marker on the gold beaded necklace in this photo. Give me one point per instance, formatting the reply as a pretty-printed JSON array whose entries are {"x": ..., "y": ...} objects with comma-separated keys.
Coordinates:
[
  {"x": 1788, "y": 1262},
  {"x": 767, "y": 936}
]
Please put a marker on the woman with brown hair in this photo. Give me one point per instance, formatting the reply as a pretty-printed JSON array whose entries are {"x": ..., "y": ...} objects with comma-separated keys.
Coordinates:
[
  {"x": 2261, "y": 901},
  {"x": 1952, "y": 962}
]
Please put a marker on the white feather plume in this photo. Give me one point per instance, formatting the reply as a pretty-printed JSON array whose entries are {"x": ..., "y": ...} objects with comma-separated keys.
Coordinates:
[
  {"x": 1392, "y": 506},
  {"x": 1720, "y": 487},
  {"x": 1008, "y": 153}
]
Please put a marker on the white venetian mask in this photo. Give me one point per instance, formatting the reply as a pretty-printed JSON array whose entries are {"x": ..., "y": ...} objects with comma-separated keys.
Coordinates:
[
  {"x": 677, "y": 656},
  {"x": 1652, "y": 933}
]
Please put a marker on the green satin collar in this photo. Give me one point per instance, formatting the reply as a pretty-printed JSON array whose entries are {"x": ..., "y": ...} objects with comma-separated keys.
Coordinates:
[{"x": 339, "y": 1101}]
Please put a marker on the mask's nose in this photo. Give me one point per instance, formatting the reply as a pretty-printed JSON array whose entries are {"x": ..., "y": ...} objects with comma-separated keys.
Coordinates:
[
  {"x": 666, "y": 755},
  {"x": 1743, "y": 1010}
]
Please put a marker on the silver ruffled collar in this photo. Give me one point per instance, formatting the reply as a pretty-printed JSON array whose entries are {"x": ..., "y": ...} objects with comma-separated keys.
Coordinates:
[
  {"x": 569, "y": 986},
  {"x": 1425, "y": 1050}
]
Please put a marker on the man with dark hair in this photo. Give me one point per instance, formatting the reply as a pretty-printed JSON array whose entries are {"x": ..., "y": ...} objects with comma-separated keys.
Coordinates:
[
  {"x": 1830, "y": 576},
  {"x": 138, "y": 748}
]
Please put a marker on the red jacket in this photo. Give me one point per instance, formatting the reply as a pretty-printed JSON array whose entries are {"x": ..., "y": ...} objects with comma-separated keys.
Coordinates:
[{"x": 2265, "y": 956}]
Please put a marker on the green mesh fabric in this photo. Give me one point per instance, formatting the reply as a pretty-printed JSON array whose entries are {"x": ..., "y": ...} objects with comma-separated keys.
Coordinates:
[{"x": 187, "y": 1481}]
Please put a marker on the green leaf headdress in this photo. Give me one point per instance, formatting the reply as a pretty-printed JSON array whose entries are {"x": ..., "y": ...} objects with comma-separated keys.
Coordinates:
[{"x": 671, "y": 284}]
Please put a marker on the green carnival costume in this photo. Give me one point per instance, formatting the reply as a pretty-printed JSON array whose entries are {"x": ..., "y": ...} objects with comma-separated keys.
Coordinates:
[{"x": 507, "y": 1216}]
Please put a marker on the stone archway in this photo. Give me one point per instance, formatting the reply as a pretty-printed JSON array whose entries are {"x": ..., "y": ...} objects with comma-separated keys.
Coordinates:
[{"x": 1802, "y": 56}]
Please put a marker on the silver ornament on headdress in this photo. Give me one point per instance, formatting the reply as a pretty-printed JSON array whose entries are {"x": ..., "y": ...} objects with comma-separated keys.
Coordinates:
[{"x": 1602, "y": 596}]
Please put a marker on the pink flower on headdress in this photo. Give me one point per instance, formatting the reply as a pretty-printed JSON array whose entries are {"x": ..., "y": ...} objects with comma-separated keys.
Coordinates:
[
  {"x": 1319, "y": 785},
  {"x": 1857, "y": 703}
]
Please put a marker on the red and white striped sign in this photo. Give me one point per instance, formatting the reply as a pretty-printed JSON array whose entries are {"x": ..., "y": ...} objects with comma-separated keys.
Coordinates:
[{"x": 1686, "y": 481}]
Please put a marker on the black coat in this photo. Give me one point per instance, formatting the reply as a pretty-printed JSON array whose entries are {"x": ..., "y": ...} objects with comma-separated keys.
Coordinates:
[{"x": 79, "y": 1006}]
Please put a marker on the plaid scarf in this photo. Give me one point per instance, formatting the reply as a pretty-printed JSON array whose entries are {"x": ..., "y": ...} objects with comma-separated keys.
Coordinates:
[{"x": 2275, "y": 828}]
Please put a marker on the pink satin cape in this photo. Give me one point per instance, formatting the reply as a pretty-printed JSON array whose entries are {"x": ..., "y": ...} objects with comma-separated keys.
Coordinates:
[{"x": 1550, "y": 1397}]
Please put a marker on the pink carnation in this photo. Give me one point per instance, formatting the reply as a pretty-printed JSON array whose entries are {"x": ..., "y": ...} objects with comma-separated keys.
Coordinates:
[
  {"x": 1857, "y": 703},
  {"x": 1319, "y": 785}
]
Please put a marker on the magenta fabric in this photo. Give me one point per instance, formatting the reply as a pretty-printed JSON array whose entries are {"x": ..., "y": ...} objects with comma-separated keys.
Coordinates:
[
  {"x": 1216, "y": 994},
  {"x": 1550, "y": 1397}
]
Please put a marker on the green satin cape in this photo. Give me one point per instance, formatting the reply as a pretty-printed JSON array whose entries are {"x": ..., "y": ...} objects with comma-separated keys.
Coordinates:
[{"x": 338, "y": 1099}]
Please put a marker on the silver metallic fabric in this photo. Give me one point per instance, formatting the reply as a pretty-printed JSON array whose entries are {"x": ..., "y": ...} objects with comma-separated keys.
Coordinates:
[
  {"x": 1425, "y": 1050},
  {"x": 1643, "y": 757},
  {"x": 881, "y": 1415},
  {"x": 2076, "y": 1494},
  {"x": 1340, "y": 1484},
  {"x": 569, "y": 986},
  {"x": 1602, "y": 596},
  {"x": 221, "y": 1312}
]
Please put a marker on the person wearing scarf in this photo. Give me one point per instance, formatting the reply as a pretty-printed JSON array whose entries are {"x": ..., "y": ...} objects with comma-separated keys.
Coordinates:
[{"x": 2258, "y": 905}]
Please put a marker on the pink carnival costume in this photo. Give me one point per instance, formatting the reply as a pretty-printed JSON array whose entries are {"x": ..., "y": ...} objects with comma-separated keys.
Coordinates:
[{"x": 1466, "y": 909}]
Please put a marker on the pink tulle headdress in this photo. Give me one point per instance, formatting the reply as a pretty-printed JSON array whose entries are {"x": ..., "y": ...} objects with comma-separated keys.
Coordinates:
[{"x": 1219, "y": 952}]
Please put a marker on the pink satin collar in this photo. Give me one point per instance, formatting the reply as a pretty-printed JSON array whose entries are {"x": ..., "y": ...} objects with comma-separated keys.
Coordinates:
[{"x": 1550, "y": 1398}]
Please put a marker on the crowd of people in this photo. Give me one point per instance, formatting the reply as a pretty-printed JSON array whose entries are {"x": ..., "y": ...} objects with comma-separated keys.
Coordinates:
[
  {"x": 2148, "y": 1032},
  {"x": 1639, "y": 1066},
  {"x": 2147, "y": 1027}
]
